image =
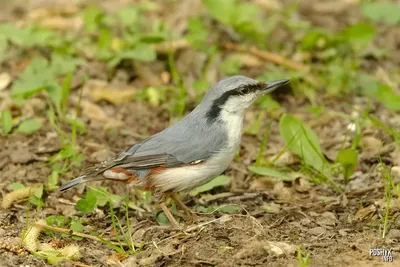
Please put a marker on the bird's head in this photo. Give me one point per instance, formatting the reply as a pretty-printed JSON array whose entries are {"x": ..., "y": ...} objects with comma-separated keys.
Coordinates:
[{"x": 235, "y": 94}]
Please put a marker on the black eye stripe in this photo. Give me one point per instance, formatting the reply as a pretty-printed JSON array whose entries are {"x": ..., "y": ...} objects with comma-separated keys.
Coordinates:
[{"x": 215, "y": 108}]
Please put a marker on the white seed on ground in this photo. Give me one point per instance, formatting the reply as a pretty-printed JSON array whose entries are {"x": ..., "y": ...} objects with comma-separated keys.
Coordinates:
[
  {"x": 71, "y": 252},
  {"x": 16, "y": 195},
  {"x": 30, "y": 241}
]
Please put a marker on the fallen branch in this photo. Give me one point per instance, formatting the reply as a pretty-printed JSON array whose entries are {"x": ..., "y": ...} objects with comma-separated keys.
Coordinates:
[
  {"x": 364, "y": 190},
  {"x": 170, "y": 46},
  {"x": 274, "y": 58}
]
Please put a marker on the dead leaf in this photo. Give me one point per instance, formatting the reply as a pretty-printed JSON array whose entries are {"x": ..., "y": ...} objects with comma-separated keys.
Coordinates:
[
  {"x": 366, "y": 213},
  {"x": 317, "y": 230},
  {"x": 301, "y": 184},
  {"x": 5, "y": 80},
  {"x": 395, "y": 155},
  {"x": 395, "y": 171},
  {"x": 371, "y": 144},
  {"x": 247, "y": 60},
  {"x": 282, "y": 193},
  {"x": 61, "y": 23},
  {"x": 279, "y": 248},
  {"x": 95, "y": 112},
  {"x": 260, "y": 248},
  {"x": 286, "y": 159},
  {"x": 21, "y": 155},
  {"x": 113, "y": 96},
  {"x": 271, "y": 208}
]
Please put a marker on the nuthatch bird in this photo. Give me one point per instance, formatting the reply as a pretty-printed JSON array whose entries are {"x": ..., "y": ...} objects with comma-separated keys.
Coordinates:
[{"x": 189, "y": 153}]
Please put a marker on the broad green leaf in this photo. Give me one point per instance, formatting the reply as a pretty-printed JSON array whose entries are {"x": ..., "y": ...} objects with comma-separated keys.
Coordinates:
[
  {"x": 197, "y": 33},
  {"x": 100, "y": 194},
  {"x": 33, "y": 79},
  {"x": 302, "y": 141},
  {"x": 368, "y": 84},
  {"x": 312, "y": 38},
  {"x": 129, "y": 16},
  {"x": 387, "y": 97},
  {"x": 270, "y": 173},
  {"x": 86, "y": 205},
  {"x": 162, "y": 219},
  {"x": 6, "y": 121},
  {"x": 76, "y": 226},
  {"x": 359, "y": 34},
  {"x": 29, "y": 126},
  {"x": 385, "y": 11},
  {"x": 141, "y": 52},
  {"x": 218, "y": 181},
  {"x": 348, "y": 159},
  {"x": 63, "y": 64},
  {"x": 222, "y": 10},
  {"x": 16, "y": 186}
]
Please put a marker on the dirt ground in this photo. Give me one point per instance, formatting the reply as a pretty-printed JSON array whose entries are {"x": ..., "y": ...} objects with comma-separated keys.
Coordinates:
[{"x": 274, "y": 217}]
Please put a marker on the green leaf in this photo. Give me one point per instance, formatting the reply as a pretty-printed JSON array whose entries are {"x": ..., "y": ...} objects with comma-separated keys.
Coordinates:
[
  {"x": 270, "y": 173},
  {"x": 29, "y": 126},
  {"x": 39, "y": 192},
  {"x": 63, "y": 64},
  {"x": 142, "y": 52},
  {"x": 302, "y": 141},
  {"x": 76, "y": 226},
  {"x": 100, "y": 194},
  {"x": 6, "y": 121},
  {"x": 223, "y": 10},
  {"x": 53, "y": 180},
  {"x": 368, "y": 84},
  {"x": 129, "y": 16},
  {"x": 230, "y": 65},
  {"x": 162, "y": 219},
  {"x": 218, "y": 181},
  {"x": 197, "y": 33},
  {"x": 33, "y": 79},
  {"x": 54, "y": 260},
  {"x": 387, "y": 97},
  {"x": 382, "y": 11},
  {"x": 348, "y": 159},
  {"x": 92, "y": 18},
  {"x": 36, "y": 198},
  {"x": 359, "y": 34},
  {"x": 312, "y": 37},
  {"x": 15, "y": 186},
  {"x": 86, "y": 205}
]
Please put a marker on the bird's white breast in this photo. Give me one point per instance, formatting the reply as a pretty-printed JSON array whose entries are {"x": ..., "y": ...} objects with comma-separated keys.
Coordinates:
[{"x": 187, "y": 177}]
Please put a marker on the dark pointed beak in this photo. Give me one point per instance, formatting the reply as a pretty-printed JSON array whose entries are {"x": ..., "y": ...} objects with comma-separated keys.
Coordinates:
[{"x": 270, "y": 86}]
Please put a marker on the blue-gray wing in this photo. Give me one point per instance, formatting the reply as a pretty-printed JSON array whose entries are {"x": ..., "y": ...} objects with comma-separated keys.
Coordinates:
[{"x": 186, "y": 142}]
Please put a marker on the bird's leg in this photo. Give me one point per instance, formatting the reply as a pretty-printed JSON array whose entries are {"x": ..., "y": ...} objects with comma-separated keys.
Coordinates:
[
  {"x": 169, "y": 215},
  {"x": 192, "y": 217}
]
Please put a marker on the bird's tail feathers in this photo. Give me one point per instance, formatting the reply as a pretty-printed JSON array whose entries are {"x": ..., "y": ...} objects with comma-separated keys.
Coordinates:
[{"x": 79, "y": 180}]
